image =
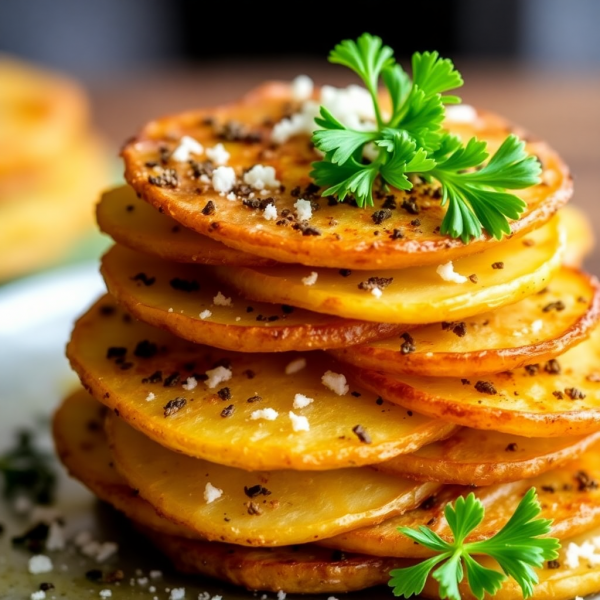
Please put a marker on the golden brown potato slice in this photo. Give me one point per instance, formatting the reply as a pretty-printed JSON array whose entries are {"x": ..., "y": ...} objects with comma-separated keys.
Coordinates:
[
  {"x": 159, "y": 384},
  {"x": 502, "y": 275},
  {"x": 81, "y": 444},
  {"x": 478, "y": 457},
  {"x": 216, "y": 315},
  {"x": 570, "y": 495},
  {"x": 137, "y": 225},
  {"x": 560, "y": 397},
  {"x": 499, "y": 340},
  {"x": 557, "y": 581},
  {"x": 337, "y": 235},
  {"x": 265, "y": 508},
  {"x": 580, "y": 235}
]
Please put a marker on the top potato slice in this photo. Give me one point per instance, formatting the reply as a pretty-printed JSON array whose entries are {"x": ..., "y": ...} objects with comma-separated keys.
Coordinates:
[
  {"x": 247, "y": 414},
  {"x": 569, "y": 495},
  {"x": 265, "y": 508},
  {"x": 336, "y": 235},
  {"x": 137, "y": 225},
  {"x": 503, "y": 274},
  {"x": 188, "y": 301},
  {"x": 503, "y": 339},
  {"x": 561, "y": 397}
]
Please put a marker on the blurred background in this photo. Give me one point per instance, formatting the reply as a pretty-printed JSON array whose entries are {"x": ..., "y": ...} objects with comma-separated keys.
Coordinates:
[{"x": 535, "y": 61}]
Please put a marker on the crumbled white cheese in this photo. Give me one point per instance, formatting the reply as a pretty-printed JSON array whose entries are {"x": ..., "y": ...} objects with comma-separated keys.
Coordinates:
[
  {"x": 447, "y": 273},
  {"x": 302, "y": 401},
  {"x": 150, "y": 397},
  {"x": 537, "y": 326},
  {"x": 155, "y": 574},
  {"x": 299, "y": 123},
  {"x": 170, "y": 310},
  {"x": 238, "y": 318},
  {"x": 303, "y": 209},
  {"x": 299, "y": 423},
  {"x": 217, "y": 376},
  {"x": 190, "y": 384},
  {"x": 231, "y": 196},
  {"x": 204, "y": 178},
  {"x": 142, "y": 581},
  {"x": 294, "y": 366},
  {"x": 377, "y": 292},
  {"x": 336, "y": 382},
  {"x": 310, "y": 279},
  {"x": 302, "y": 88},
  {"x": 268, "y": 414},
  {"x": 461, "y": 113},
  {"x": 221, "y": 300},
  {"x": 39, "y": 595},
  {"x": 105, "y": 594},
  {"x": 187, "y": 146},
  {"x": 332, "y": 598},
  {"x": 177, "y": 594},
  {"x": 40, "y": 564},
  {"x": 260, "y": 177},
  {"x": 270, "y": 212},
  {"x": 281, "y": 595},
  {"x": 223, "y": 179},
  {"x": 205, "y": 314},
  {"x": 56, "y": 537},
  {"x": 218, "y": 154},
  {"x": 588, "y": 551},
  {"x": 100, "y": 551},
  {"x": 211, "y": 493}
]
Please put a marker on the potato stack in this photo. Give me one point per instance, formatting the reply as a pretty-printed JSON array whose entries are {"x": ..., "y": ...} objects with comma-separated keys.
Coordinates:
[
  {"x": 52, "y": 167},
  {"x": 277, "y": 381}
]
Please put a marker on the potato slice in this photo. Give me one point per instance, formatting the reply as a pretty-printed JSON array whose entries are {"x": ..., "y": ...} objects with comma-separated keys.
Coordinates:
[
  {"x": 81, "y": 444},
  {"x": 342, "y": 236},
  {"x": 416, "y": 295},
  {"x": 580, "y": 235},
  {"x": 266, "y": 508},
  {"x": 226, "y": 423},
  {"x": 555, "y": 582},
  {"x": 137, "y": 225},
  {"x": 502, "y": 339},
  {"x": 235, "y": 323},
  {"x": 559, "y": 398},
  {"x": 477, "y": 457},
  {"x": 570, "y": 495}
]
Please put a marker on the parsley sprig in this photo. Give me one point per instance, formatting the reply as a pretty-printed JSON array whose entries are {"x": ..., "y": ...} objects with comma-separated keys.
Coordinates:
[
  {"x": 517, "y": 548},
  {"x": 412, "y": 141}
]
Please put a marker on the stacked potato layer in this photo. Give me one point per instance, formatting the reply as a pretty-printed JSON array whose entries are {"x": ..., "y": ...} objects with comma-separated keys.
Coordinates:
[
  {"x": 52, "y": 167},
  {"x": 275, "y": 387}
]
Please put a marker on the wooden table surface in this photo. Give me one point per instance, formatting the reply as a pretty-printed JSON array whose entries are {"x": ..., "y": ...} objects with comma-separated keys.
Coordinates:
[{"x": 559, "y": 107}]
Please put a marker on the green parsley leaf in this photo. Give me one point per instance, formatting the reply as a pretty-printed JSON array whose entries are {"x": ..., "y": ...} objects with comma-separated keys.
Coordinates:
[
  {"x": 412, "y": 140},
  {"x": 518, "y": 548}
]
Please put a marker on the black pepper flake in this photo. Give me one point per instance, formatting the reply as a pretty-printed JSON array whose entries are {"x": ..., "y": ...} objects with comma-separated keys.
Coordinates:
[
  {"x": 362, "y": 434},
  {"x": 34, "y": 539},
  {"x": 172, "y": 380},
  {"x": 485, "y": 387},
  {"x": 356, "y": 394},
  {"x": 390, "y": 202},
  {"x": 145, "y": 349},
  {"x": 46, "y": 586},
  {"x": 416, "y": 222},
  {"x": 306, "y": 229},
  {"x": 228, "y": 411},
  {"x": 125, "y": 366},
  {"x": 409, "y": 413},
  {"x": 396, "y": 235},
  {"x": 557, "y": 306},
  {"x": 249, "y": 373},
  {"x": 116, "y": 352},
  {"x": 553, "y": 564},
  {"x": 459, "y": 329},
  {"x": 379, "y": 401},
  {"x": 295, "y": 192},
  {"x": 512, "y": 447},
  {"x": 256, "y": 490},
  {"x": 558, "y": 394},
  {"x": 94, "y": 575},
  {"x": 410, "y": 206},
  {"x": 142, "y": 277},
  {"x": 156, "y": 377},
  {"x": 552, "y": 367},
  {"x": 173, "y": 406},
  {"x": 465, "y": 381},
  {"x": 224, "y": 393},
  {"x": 209, "y": 209},
  {"x": 168, "y": 178},
  {"x": 107, "y": 311},
  {"x": 249, "y": 309},
  {"x": 184, "y": 285},
  {"x": 532, "y": 369},
  {"x": 473, "y": 278},
  {"x": 498, "y": 265},
  {"x": 254, "y": 398},
  {"x": 379, "y": 216},
  {"x": 287, "y": 309},
  {"x": 345, "y": 272},
  {"x": 550, "y": 489},
  {"x": 408, "y": 346},
  {"x": 375, "y": 282},
  {"x": 585, "y": 483},
  {"x": 574, "y": 393}
]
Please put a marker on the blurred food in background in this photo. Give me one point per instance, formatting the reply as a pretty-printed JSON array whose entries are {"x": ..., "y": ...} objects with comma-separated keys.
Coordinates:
[{"x": 52, "y": 167}]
